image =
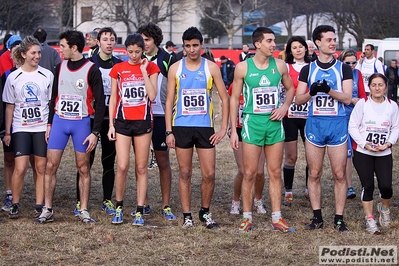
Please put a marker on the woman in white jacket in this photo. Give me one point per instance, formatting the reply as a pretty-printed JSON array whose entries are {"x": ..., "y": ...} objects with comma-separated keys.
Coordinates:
[{"x": 374, "y": 128}]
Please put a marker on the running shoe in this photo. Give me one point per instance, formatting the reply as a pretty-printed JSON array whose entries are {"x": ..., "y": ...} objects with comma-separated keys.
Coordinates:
[
  {"x": 235, "y": 207},
  {"x": 208, "y": 222},
  {"x": 76, "y": 211},
  {"x": 118, "y": 216},
  {"x": 188, "y": 222},
  {"x": 147, "y": 211},
  {"x": 259, "y": 206},
  {"x": 351, "y": 193},
  {"x": 314, "y": 224},
  {"x": 245, "y": 226},
  {"x": 288, "y": 199},
  {"x": 13, "y": 214},
  {"x": 167, "y": 213},
  {"x": 84, "y": 216},
  {"x": 371, "y": 227},
  {"x": 138, "y": 219},
  {"x": 341, "y": 226},
  {"x": 7, "y": 204},
  {"x": 38, "y": 210},
  {"x": 108, "y": 207},
  {"x": 282, "y": 226},
  {"x": 385, "y": 216},
  {"x": 45, "y": 217}
]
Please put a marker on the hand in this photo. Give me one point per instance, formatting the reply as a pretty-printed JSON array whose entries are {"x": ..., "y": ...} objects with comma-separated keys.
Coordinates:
[
  {"x": 217, "y": 137},
  {"x": 47, "y": 134},
  {"x": 92, "y": 139},
  {"x": 234, "y": 140},
  {"x": 170, "y": 141},
  {"x": 323, "y": 87},
  {"x": 370, "y": 146},
  {"x": 314, "y": 88},
  {"x": 7, "y": 140},
  {"x": 143, "y": 65},
  {"x": 383, "y": 147},
  {"x": 111, "y": 133},
  {"x": 279, "y": 113}
]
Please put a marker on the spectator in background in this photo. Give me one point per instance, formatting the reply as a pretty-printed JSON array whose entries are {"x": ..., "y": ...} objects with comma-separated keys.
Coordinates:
[
  {"x": 169, "y": 48},
  {"x": 393, "y": 79},
  {"x": 368, "y": 65},
  {"x": 227, "y": 67},
  {"x": 208, "y": 54},
  {"x": 243, "y": 54},
  {"x": 5, "y": 40},
  {"x": 311, "y": 50},
  {"x": 50, "y": 57},
  {"x": 384, "y": 67},
  {"x": 6, "y": 62},
  {"x": 91, "y": 41},
  {"x": 282, "y": 54}
]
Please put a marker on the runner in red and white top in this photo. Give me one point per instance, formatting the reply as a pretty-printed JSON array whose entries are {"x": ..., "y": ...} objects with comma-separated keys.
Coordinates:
[
  {"x": 295, "y": 119},
  {"x": 133, "y": 87}
]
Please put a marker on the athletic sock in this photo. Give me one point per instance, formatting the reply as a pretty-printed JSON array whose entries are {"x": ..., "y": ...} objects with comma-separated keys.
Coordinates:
[
  {"x": 307, "y": 176},
  {"x": 317, "y": 215},
  {"x": 288, "y": 172},
  {"x": 247, "y": 215},
  {"x": 119, "y": 204},
  {"x": 140, "y": 209},
  {"x": 276, "y": 216},
  {"x": 338, "y": 217}
]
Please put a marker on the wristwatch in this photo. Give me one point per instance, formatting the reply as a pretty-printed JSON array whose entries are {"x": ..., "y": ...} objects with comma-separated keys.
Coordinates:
[
  {"x": 167, "y": 133},
  {"x": 96, "y": 133}
]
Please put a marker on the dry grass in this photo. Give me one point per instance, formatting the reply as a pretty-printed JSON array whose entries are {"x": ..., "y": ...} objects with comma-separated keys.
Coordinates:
[{"x": 69, "y": 242}]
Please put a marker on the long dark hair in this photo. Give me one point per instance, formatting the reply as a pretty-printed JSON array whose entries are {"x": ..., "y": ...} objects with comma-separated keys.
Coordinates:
[{"x": 289, "y": 58}]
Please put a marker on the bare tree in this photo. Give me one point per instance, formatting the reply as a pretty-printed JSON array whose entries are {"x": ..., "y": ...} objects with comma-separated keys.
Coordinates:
[
  {"x": 134, "y": 13},
  {"x": 233, "y": 15}
]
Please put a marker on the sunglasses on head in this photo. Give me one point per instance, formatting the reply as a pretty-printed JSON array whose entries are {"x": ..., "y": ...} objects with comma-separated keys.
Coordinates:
[{"x": 351, "y": 63}]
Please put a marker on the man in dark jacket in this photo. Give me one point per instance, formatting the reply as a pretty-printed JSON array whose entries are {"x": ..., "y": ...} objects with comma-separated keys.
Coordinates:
[
  {"x": 392, "y": 74},
  {"x": 227, "y": 69}
]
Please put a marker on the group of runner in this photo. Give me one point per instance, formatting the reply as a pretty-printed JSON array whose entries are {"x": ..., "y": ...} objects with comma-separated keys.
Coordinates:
[{"x": 152, "y": 98}]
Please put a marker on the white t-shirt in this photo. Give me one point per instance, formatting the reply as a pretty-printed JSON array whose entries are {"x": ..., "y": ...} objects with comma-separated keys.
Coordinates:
[
  {"x": 369, "y": 67},
  {"x": 30, "y": 93}
]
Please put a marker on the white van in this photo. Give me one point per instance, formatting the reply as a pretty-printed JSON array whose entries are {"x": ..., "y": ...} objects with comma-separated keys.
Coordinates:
[{"x": 388, "y": 49}]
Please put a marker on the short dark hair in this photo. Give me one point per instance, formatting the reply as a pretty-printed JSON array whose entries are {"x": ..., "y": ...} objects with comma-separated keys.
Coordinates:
[
  {"x": 371, "y": 46},
  {"x": 316, "y": 35},
  {"x": 106, "y": 30},
  {"x": 289, "y": 58},
  {"x": 394, "y": 60},
  {"x": 153, "y": 31},
  {"x": 134, "y": 39},
  {"x": 257, "y": 35},
  {"x": 40, "y": 35},
  {"x": 74, "y": 37},
  {"x": 6, "y": 37},
  {"x": 191, "y": 34}
]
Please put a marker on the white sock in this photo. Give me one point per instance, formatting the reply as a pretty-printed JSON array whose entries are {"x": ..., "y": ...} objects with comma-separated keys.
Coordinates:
[
  {"x": 288, "y": 192},
  {"x": 276, "y": 216},
  {"x": 247, "y": 215}
]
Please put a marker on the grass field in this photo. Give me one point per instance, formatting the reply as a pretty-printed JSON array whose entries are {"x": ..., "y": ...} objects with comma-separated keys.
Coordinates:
[{"x": 69, "y": 242}]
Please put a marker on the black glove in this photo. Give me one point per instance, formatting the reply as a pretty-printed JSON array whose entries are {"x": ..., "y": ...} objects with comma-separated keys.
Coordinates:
[
  {"x": 323, "y": 87},
  {"x": 314, "y": 88}
]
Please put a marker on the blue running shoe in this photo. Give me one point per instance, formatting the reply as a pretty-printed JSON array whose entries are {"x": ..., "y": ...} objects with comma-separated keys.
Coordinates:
[
  {"x": 147, "y": 211},
  {"x": 118, "y": 216},
  {"x": 108, "y": 207},
  {"x": 167, "y": 213},
  {"x": 138, "y": 219},
  {"x": 7, "y": 204},
  {"x": 351, "y": 193},
  {"x": 76, "y": 211}
]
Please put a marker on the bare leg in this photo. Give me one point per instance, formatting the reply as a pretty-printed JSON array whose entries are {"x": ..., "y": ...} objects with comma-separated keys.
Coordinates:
[
  {"x": 184, "y": 158},
  {"x": 207, "y": 164},
  {"x": 53, "y": 162},
  {"x": 18, "y": 176},
  {"x": 83, "y": 165}
]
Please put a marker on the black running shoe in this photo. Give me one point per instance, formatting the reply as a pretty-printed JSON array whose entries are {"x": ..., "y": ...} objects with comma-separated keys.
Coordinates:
[
  {"x": 314, "y": 224},
  {"x": 208, "y": 222},
  {"x": 13, "y": 214},
  {"x": 341, "y": 226}
]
